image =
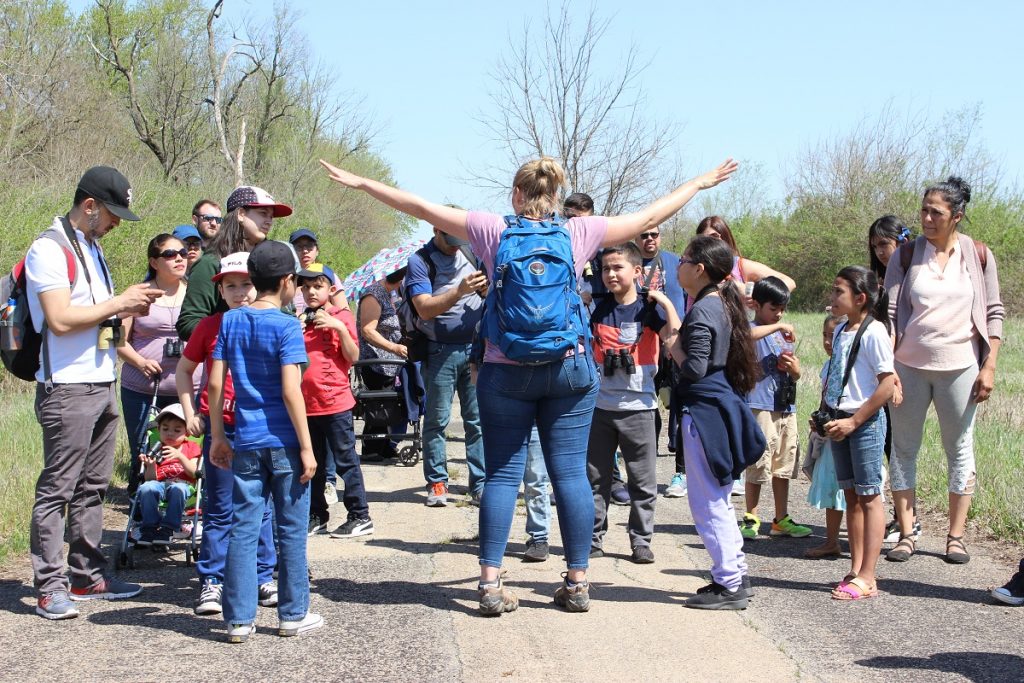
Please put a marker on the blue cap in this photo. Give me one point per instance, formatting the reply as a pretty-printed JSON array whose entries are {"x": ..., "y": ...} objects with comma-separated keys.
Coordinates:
[
  {"x": 300, "y": 233},
  {"x": 187, "y": 231}
]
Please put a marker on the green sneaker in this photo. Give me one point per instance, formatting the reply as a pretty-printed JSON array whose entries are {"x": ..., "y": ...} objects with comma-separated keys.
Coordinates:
[
  {"x": 749, "y": 526},
  {"x": 787, "y": 527}
]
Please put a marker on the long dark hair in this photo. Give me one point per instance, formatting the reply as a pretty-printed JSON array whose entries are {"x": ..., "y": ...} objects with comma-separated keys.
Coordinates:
[
  {"x": 863, "y": 281},
  {"x": 718, "y": 224},
  {"x": 230, "y": 238},
  {"x": 156, "y": 245},
  {"x": 741, "y": 369},
  {"x": 887, "y": 227}
]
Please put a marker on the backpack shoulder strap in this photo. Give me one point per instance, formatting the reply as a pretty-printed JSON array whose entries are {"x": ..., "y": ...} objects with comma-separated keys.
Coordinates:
[
  {"x": 907, "y": 254},
  {"x": 982, "y": 250},
  {"x": 69, "y": 256}
]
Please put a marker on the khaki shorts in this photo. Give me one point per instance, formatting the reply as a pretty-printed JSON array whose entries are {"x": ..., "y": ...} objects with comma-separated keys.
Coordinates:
[{"x": 780, "y": 458}]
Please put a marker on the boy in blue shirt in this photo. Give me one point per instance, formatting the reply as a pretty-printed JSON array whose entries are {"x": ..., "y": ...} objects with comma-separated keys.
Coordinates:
[
  {"x": 627, "y": 332},
  {"x": 773, "y": 403},
  {"x": 272, "y": 454}
]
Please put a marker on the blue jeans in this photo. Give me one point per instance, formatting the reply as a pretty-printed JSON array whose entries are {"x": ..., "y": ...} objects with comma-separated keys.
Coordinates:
[
  {"x": 258, "y": 474},
  {"x": 535, "y": 491},
  {"x": 334, "y": 439},
  {"x": 858, "y": 457},
  {"x": 152, "y": 493},
  {"x": 445, "y": 370},
  {"x": 218, "y": 510},
  {"x": 135, "y": 411},
  {"x": 559, "y": 397}
]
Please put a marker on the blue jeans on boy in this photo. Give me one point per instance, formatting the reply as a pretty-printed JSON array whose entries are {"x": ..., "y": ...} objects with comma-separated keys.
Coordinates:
[
  {"x": 445, "y": 371},
  {"x": 135, "y": 411},
  {"x": 334, "y": 438},
  {"x": 559, "y": 397},
  {"x": 262, "y": 475},
  {"x": 151, "y": 493},
  {"x": 858, "y": 457},
  {"x": 535, "y": 491},
  {"x": 218, "y": 510}
]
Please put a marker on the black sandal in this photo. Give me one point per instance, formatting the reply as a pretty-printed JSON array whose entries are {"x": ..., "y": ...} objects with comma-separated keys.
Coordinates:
[
  {"x": 903, "y": 550},
  {"x": 956, "y": 557}
]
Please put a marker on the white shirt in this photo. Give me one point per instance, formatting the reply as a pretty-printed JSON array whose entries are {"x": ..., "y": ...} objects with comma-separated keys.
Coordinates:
[
  {"x": 873, "y": 359},
  {"x": 74, "y": 357}
]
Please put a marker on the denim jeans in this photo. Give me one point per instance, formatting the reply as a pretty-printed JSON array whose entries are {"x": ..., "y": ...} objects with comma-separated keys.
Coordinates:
[
  {"x": 535, "y": 491},
  {"x": 218, "y": 510},
  {"x": 445, "y": 371},
  {"x": 260, "y": 475},
  {"x": 334, "y": 438},
  {"x": 152, "y": 493},
  {"x": 858, "y": 457},
  {"x": 559, "y": 397},
  {"x": 135, "y": 411}
]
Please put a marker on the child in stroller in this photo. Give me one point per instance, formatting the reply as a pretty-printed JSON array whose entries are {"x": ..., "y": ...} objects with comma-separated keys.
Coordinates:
[{"x": 170, "y": 478}]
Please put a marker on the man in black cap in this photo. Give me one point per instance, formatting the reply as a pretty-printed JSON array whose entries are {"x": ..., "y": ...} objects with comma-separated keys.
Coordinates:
[{"x": 80, "y": 317}]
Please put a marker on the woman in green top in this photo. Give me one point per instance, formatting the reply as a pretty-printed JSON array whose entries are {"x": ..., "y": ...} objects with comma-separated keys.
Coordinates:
[{"x": 251, "y": 212}]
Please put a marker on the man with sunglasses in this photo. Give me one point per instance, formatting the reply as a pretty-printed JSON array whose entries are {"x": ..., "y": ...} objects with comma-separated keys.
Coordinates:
[{"x": 206, "y": 216}]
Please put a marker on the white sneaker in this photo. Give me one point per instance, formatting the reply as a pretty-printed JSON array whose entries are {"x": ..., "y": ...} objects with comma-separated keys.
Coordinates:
[
  {"x": 331, "y": 494},
  {"x": 739, "y": 487},
  {"x": 239, "y": 633},
  {"x": 677, "y": 487},
  {"x": 310, "y": 622}
]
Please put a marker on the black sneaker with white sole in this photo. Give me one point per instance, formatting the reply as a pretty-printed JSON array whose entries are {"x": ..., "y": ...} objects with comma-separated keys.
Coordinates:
[
  {"x": 356, "y": 526},
  {"x": 716, "y": 596},
  {"x": 316, "y": 526},
  {"x": 1013, "y": 592}
]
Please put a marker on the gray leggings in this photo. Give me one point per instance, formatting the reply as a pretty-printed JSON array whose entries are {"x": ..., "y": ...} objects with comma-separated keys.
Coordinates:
[{"x": 950, "y": 391}]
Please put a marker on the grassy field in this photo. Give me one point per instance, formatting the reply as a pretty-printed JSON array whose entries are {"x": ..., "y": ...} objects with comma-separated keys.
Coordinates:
[{"x": 999, "y": 444}]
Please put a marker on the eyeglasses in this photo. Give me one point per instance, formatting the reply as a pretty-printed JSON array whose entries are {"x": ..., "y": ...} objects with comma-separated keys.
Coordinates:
[
  {"x": 650, "y": 235},
  {"x": 683, "y": 260},
  {"x": 304, "y": 246},
  {"x": 171, "y": 253},
  {"x": 209, "y": 219},
  {"x": 193, "y": 245}
]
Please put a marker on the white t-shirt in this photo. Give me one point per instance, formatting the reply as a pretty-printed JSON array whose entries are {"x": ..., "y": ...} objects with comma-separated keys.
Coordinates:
[
  {"x": 873, "y": 359},
  {"x": 74, "y": 357}
]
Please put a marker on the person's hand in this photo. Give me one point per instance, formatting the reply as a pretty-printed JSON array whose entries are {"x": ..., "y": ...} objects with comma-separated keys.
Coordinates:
[
  {"x": 149, "y": 368},
  {"x": 400, "y": 350},
  {"x": 308, "y": 465},
  {"x": 984, "y": 384},
  {"x": 837, "y": 430},
  {"x": 196, "y": 426},
  {"x": 172, "y": 452},
  {"x": 221, "y": 453},
  {"x": 341, "y": 176},
  {"x": 718, "y": 175},
  {"x": 788, "y": 332},
  {"x": 136, "y": 299},
  {"x": 146, "y": 460},
  {"x": 473, "y": 282},
  {"x": 325, "y": 321},
  {"x": 790, "y": 364},
  {"x": 897, "y": 392},
  {"x": 658, "y": 297}
]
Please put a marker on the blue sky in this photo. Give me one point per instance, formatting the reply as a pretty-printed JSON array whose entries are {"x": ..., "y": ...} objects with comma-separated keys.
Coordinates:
[{"x": 755, "y": 80}]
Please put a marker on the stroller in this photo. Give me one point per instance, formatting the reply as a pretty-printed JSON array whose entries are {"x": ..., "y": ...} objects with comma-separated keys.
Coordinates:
[
  {"x": 191, "y": 524},
  {"x": 385, "y": 407}
]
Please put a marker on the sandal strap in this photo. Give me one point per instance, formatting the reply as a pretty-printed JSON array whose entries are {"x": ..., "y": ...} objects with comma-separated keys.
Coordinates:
[
  {"x": 957, "y": 541},
  {"x": 907, "y": 541}
]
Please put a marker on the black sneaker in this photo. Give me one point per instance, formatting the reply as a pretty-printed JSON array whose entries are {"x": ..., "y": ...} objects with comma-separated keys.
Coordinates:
[
  {"x": 619, "y": 496},
  {"x": 642, "y": 554},
  {"x": 536, "y": 551},
  {"x": 146, "y": 536},
  {"x": 717, "y": 596},
  {"x": 316, "y": 526},
  {"x": 354, "y": 527},
  {"x": 1013, "y": 592},
  {"x": 596, "y": 552},
  {"x": 162, "y": 537}
]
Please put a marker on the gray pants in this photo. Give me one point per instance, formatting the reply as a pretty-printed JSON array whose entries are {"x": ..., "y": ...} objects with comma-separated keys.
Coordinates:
[
  {"x": 632, "y": 432},
  {"x": 79, "y": 424},
  {"x": 950, "y": 391}
]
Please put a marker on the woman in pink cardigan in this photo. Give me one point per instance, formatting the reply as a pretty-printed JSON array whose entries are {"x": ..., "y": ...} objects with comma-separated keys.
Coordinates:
[{"x": 948, "y": 320}]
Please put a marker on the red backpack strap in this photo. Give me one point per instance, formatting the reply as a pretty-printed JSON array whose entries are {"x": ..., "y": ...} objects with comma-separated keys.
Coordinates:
[
  {"x": 982, "y": 250},
  {"x": 906, "y": 254}
]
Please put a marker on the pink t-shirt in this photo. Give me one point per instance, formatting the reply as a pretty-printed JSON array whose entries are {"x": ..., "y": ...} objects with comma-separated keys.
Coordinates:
[{"x": 586, "y": 233}]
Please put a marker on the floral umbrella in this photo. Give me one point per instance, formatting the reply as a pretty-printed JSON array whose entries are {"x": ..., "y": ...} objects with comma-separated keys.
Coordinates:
[{"x": 387, "y": 261}]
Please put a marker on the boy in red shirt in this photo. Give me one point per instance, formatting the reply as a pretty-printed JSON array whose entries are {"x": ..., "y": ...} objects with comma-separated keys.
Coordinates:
[
  {"x": 236, "y": 289},
  {"x": 332, "y": 346},
  {"x": 170, "y": 476}
]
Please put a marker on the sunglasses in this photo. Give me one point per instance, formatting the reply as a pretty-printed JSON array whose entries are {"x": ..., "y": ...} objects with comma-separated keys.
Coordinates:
[
  {"x": 171, "y": 253},
  {"x": 209, "y": 219},
  {"x": 650, "y": 235}
]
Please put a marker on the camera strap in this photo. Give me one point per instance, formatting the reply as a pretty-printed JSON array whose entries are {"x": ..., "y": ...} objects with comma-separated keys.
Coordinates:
[
  {"x": 851, "y": 358},
  {"x": 77, "y": 247}
]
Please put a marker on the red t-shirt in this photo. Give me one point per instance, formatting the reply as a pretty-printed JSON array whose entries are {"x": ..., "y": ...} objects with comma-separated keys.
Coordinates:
[
  {"x": 325, "y": 384},
  {"x": 200, "y": 350},
  {"x": 171, "y": 468}
]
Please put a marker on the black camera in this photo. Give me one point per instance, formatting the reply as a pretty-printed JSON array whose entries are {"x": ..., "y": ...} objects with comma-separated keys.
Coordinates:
[
  {"x": 821, "y": 417},
  {"x": 309, "y": 315},
  {"x": 619, "y": 358},
  {"x": 172, "y": 348},
  {"x": 156, "y": 452}
]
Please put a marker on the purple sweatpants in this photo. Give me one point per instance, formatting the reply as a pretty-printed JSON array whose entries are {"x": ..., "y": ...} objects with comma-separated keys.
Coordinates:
[{"x": 712, "y": 511}]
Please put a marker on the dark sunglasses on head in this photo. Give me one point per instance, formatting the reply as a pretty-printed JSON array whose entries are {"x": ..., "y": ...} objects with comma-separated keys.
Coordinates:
[
  {"x": 650, "y": 235},
  {"x": 209, "y": 219},
  {"x": 171, "y": 253}
]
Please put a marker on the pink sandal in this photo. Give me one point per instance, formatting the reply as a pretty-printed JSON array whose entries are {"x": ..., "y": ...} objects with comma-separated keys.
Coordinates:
[{"x": 854, "y": 589}]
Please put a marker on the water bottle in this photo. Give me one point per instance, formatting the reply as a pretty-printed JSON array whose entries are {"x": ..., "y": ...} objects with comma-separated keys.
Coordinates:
[{"x": 10, "y": 339}]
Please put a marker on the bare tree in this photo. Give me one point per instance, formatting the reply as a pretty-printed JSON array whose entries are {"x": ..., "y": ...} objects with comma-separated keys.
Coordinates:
[
  {"x": 550, "y": 98},
  {"x": 224, "y": 95}
]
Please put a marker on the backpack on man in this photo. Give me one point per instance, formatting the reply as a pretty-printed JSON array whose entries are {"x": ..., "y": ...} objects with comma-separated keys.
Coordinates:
[
  {"x": 21, "y": 346},
  {"x": 534, "y": 312}
]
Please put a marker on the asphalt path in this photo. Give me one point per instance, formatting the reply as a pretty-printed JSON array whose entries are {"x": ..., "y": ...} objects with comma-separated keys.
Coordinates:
[{"x": 401, "y": 605}]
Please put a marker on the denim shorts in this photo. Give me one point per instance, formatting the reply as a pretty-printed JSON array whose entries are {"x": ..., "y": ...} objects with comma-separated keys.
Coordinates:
[{"x": 858, "y": 457}]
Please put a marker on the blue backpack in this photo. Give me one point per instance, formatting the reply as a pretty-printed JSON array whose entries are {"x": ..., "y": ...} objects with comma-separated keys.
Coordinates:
[{"x": 534, "y": 313}]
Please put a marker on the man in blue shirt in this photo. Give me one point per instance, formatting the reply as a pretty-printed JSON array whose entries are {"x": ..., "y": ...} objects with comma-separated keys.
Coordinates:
[{"x": 446, "y": 287}]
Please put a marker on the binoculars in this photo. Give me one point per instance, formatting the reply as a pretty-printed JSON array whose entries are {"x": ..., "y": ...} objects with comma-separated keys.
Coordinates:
[
  {"x": 618, "y": 358},
  {"x": 172, "y": 348},
  {"x": 309, "y": 315}
]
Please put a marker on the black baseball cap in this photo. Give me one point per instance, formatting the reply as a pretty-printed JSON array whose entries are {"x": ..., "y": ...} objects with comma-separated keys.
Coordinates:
[
  {"x": 271, "y": 258},
  {"x": 107, "y": 185},
  {"x": 300, "y": 233}
]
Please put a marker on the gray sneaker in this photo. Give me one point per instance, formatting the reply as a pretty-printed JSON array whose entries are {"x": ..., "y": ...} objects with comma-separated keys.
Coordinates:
[
  {"x": 268, "y": 594},
  {"x": 56, "y": 605},
  {"x": 496, "y": 600},
  {"x": 575, "y": 598},
  {"x": 536, "y": 551},
  {"x": 642, "y": 554},
  {"x": 437, "y": 494},
  {"x": 107, "y": 588}
]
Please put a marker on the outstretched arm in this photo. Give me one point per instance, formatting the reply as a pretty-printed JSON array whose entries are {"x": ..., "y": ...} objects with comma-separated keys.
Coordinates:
[
  {"x": 446, "y": 218},
  {"x": 626, "y": 227}
]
